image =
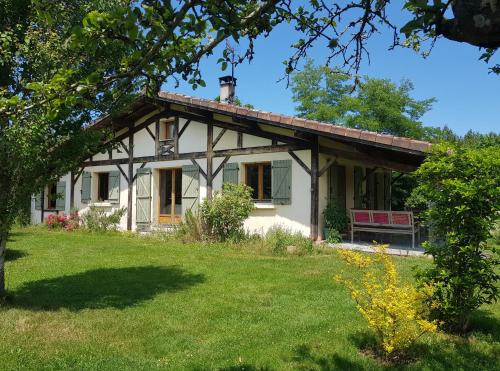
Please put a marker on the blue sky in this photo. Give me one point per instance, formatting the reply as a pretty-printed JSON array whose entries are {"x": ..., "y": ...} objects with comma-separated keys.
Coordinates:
[{"x": 467, "y": 95}]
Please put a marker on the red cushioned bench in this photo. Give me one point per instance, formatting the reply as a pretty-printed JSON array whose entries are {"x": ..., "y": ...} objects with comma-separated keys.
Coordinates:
[{"x": 382, "y": 221}]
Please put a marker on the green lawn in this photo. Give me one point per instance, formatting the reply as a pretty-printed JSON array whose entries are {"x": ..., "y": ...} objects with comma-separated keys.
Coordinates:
[{"x": 83, "y": 301}]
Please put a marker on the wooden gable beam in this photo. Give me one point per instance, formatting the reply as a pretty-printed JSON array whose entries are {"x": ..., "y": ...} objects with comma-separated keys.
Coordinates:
[
  {"x": 221, "y": 134},
  {"x": 300, "y": 162},
  {"x": 221, "y": 166}
]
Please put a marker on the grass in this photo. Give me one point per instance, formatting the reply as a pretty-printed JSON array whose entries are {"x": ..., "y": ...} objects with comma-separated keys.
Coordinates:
[{"x": 107, "y": 302}]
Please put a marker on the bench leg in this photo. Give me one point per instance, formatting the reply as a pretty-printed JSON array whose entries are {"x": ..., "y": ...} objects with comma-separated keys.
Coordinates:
[
  {"x": 413, "y": 240},
  {"x": 352, "y": 235}
]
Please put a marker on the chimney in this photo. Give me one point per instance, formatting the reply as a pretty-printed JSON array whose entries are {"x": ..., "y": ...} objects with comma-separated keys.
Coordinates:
[{"x": 227, "y": 89}]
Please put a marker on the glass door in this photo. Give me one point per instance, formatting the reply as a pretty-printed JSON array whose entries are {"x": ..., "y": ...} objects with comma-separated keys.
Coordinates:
[{"x": 170, "y": 208}]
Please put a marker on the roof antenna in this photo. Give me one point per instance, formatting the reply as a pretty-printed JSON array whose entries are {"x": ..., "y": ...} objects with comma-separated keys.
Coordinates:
[{"x": 231, "y": 58}]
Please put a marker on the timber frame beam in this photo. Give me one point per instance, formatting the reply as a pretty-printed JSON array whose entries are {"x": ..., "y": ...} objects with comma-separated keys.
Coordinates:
[{"x": 198, "y": 155}]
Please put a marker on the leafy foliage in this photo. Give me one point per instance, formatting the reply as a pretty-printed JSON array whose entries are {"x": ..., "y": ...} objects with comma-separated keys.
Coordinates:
[
  {"x": 460, "y": 188},
  {"x": 98, "y": 219},
  {"x": 396, "y": 312},
  {"x": 379, "y": 105},
  {"x": 223, "y": 215}
]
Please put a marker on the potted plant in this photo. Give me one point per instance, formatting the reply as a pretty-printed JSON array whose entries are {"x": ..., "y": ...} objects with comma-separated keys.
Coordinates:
[{"x": 335, "y": 222}]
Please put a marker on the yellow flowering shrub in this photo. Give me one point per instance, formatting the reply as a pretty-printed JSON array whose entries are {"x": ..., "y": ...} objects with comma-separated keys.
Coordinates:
[{"x": 395, "y": 311}]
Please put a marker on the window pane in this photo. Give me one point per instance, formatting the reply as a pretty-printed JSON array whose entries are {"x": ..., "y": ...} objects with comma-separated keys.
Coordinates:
[
  {"x": 267, "y": 181},
  {"x": 103, "y": 181},
  {"x": 252, "y": 179},
  {"x": 165, "y": 192},
  {"x": 52, "y": 197}
]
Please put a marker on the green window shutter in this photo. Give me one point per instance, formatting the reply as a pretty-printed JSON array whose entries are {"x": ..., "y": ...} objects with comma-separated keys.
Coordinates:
[
  {"x": 114, "y": 187},
  {"x": 371, "y": 189},
  {"x": 358, "y": 187},
  {"x": 61, "y": 196},
  {"x": 230, "y": 173},
  {"x": 86, "y": 185},
  {"x": 337, "y": 185},
  {"x": 38, "y": 201},
  {"x": 143, "y": 196},
  {"x": 190, "y": 188},
  {"x": 281, "y": 182}
]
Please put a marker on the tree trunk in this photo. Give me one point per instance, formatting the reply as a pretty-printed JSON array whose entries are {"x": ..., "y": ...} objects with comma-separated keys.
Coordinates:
[{"x": 3, "y": 245}]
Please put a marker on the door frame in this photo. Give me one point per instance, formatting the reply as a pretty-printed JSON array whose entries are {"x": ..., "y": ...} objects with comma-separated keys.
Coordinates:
[{"x": 174, "y": 218}]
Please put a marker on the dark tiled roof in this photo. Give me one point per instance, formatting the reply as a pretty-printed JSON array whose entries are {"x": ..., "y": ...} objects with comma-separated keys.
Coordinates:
[{"x": 297, "y": 122}]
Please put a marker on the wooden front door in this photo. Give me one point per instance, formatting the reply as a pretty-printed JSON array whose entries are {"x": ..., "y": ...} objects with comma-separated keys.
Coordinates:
[{"x": 170, "y": 208}]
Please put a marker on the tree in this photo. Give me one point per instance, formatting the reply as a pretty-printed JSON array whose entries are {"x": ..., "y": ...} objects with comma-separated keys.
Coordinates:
[
  {"x": 459, "y": 186},
  {"x": 326, "y": 94}
]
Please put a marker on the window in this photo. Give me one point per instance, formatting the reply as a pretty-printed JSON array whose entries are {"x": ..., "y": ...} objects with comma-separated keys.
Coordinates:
[
  {"x": 103, "y": 186},
  {"x": 167, "y": 127},
  {"x": 52, "y": 197},
  {"x": 258, "y": 176}
]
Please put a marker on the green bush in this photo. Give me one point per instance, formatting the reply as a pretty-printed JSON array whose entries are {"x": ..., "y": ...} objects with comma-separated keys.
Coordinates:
[
  {"x": 190, "y": 229},
  {"x": 223, "y": 215},
  {"x": 279, "y": 239},
  {"x": 97, "y": 219},
  {"x": 461, "y": 187},
  {"x": 335, "y": 221},
  {"x": 334, "y": 236}
]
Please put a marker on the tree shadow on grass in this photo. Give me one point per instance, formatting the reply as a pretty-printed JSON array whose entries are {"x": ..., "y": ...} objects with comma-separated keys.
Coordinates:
[
  {"x": 12, "y": 254},
  {"x": 485, "y": 323},
  {"x": 306, "y": 359},
  {"x": 104, "y": 288}
]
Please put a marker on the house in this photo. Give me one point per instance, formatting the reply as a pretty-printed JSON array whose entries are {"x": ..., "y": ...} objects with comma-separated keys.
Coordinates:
[{"x": 172, "y": 151}]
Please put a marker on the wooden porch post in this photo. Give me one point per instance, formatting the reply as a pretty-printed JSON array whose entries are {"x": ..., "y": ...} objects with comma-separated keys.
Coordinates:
[
  {"x": 72, "y": 191},
  {"x": 210, "y": 156},
  {"x": 314, "y": 188},
  {"x": 130, "y": 176}
]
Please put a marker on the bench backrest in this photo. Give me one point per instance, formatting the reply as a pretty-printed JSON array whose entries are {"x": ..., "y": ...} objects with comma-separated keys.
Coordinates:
[{"x": 382, "y": 218}]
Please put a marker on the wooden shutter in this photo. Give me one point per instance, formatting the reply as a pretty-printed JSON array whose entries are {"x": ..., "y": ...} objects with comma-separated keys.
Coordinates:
[
  {"x": 86, "y": 187},
  {"x": 61, "y": 196},
  {"x": 143, "y": 197},
  {"x": 190, "y": 188},
  {"x": 358, "y": 187},
  {"x": 380, "y": 187},
  {"x": 371, "y": 189},
  {"x": 337, "y": 185},
  {"x": 114, "y": 187},
  {"x": 38, "y": 201},
  {"x": 230, "y": 173},
  {"x": 281, "y": 182}
]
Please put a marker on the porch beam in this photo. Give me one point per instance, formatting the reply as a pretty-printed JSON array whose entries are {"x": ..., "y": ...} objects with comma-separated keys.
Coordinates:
[
  {"x": 314, "y": 189},
  {"x": 210, "y": 157},
  {"x": 300, "y": 162},
  {"x": 368, "y": 160},
  {"x": 326, "y": 166},
  {"x": 130, "y": 176}
]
